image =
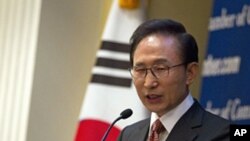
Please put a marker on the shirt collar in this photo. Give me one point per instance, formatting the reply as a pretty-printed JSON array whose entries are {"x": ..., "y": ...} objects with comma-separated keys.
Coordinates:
[{"x": 170, "y": 118}]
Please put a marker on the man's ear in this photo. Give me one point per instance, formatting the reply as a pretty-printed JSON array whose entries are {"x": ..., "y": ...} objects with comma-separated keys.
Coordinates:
[{"x": 192, "y": 72}]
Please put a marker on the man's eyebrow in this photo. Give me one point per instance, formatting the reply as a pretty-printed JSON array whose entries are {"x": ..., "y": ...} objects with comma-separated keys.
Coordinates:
[
  {"x": 155, "y": 62},
  {"x": 139, "y": 64},
  {"x": 161, "y": 61}
]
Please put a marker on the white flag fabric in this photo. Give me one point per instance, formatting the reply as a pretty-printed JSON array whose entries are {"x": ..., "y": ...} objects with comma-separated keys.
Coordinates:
[{"x": 110, "y": 90}]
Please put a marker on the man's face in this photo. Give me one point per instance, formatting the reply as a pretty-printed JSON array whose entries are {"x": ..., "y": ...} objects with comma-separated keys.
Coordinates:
[{"x": 164, "y": 93}]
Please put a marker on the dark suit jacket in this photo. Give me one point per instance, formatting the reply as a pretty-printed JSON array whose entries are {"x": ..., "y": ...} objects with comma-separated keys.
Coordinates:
[{"x": 195, "y": 125}]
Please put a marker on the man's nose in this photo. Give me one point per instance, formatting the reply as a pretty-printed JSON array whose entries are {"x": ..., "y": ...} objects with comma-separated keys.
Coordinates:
[{"x": 150, "y": 79}]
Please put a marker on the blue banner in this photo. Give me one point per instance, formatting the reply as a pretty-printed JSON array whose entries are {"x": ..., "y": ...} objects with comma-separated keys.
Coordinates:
[{"x": 226, "y": 70}]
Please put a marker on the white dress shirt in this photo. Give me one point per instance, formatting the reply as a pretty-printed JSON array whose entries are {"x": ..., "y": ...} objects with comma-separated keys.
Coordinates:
[{"x": 170, "y": 118}]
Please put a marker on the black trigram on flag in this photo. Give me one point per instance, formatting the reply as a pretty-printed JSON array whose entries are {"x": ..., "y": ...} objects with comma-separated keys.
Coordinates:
[{"x": 112, "y": 65}]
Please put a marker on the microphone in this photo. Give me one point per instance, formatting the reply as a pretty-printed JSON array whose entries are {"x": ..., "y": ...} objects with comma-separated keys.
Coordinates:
[{"x": 123, "y": 115}]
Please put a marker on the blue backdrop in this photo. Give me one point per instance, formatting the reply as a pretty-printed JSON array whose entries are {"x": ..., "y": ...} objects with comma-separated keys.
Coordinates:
[{"x": 226, "y": 70}]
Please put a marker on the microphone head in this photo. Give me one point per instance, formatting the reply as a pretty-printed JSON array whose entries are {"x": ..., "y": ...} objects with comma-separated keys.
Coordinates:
[{"x": 126, "y": 113}]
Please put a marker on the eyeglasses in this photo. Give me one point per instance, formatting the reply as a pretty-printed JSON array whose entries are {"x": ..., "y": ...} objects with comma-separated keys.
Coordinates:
[{"x": 157, "y": 71}]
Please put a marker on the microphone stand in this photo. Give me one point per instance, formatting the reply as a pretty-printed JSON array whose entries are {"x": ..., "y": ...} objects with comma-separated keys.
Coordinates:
[
  {"x": 107, "y": 132},
  {"x": 124, "y": 114}
]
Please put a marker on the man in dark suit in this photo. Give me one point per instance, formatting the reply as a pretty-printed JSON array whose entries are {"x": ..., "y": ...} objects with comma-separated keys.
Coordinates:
[{"x": 164, "y": 63}]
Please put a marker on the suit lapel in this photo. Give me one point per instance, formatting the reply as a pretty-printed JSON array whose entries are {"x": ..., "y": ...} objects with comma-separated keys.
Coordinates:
[
  {"x": 141, "y": 133},
  {"x": 186, "y": 129}
]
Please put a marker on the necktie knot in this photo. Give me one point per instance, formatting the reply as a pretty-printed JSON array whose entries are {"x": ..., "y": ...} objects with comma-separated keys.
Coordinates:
[{"x": 156, "y": 129}]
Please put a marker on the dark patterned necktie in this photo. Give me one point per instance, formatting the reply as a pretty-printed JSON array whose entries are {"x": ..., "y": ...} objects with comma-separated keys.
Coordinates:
[{"x": 156, "y": 129}]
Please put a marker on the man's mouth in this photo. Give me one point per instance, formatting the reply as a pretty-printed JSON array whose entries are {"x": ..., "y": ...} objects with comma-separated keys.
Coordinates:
[{"x": 153, "y": 98}]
